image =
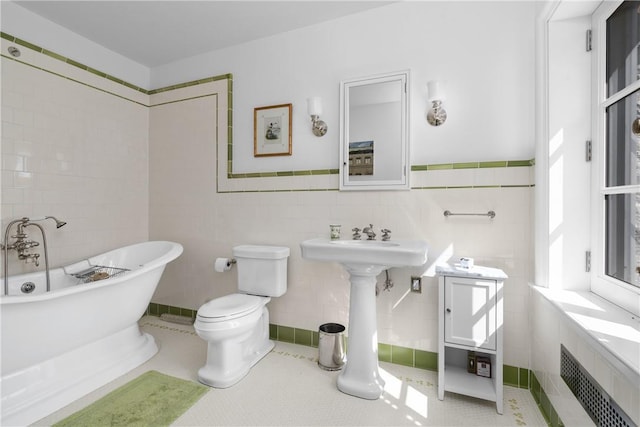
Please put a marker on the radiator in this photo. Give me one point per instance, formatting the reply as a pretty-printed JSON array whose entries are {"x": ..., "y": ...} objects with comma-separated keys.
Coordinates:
[{"x": 602, "y": 409}]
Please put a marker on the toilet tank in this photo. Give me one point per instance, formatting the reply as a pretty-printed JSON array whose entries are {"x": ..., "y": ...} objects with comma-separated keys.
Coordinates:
[{"x": 262, "y": 270}]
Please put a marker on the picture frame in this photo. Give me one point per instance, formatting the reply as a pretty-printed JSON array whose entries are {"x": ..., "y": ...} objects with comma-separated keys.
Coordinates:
[{"x": 272, "y": 130}]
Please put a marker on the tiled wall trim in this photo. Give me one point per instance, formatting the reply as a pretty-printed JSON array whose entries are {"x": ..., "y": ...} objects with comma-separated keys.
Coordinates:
[
  {"x": 421, "y": 359},
  {"x": 414, "y": 168},
  {"x": 70, "y": 61},
  {"x": 544, "y": 404},
  {"x": 475, "y": 165},
  {"x": 158, "y": 309}
]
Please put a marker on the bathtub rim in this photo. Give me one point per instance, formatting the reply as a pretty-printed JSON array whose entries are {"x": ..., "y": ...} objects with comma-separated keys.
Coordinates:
[{"x": 174, "y": 251}]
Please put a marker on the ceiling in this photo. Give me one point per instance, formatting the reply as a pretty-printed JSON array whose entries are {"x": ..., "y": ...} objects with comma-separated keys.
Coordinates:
[{"x": 154, "y": 33}]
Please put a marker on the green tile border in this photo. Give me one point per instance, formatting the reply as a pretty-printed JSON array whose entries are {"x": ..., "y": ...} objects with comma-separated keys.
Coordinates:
[
  {"x": 286, "y": 334},
  {"x": 403, "y": 356},
  {"x": 475, "y": 165},
  {"x": 77, "y": 64},
  {"x": 427, "y": 360},
  {"x": 384, "y": 352},
  {"x": 421, "y": 359},
  {"x": 66, "y": 60},
  {"x": 512, "y": 375},
  {"x": 544, "y": 403},
  {"x": 157, "y": 309},
  {"x": 414, "y": 168}
]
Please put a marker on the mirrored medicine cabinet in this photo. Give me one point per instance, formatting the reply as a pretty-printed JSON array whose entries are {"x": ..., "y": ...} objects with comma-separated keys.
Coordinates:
[{"x": 374, "y": 132}]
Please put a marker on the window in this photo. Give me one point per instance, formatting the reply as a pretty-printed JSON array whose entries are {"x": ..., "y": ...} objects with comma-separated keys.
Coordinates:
[{"x": 616, "y": 232}]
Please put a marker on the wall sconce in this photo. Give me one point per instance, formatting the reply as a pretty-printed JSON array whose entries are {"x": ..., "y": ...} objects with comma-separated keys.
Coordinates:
[
  {"x": 314, "y": 108},
  {"x": 436, "y": 115}
]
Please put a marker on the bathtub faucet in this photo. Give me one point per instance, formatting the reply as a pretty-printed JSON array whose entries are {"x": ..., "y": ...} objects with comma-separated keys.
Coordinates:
[{"x": 22, "y": 246}]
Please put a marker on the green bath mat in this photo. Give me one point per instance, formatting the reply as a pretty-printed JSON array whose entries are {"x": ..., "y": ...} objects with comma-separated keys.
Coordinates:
[{"x": 152, "y": 399}]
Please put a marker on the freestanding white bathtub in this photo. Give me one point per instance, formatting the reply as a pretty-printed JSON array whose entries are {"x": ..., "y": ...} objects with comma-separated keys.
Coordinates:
[{"x": 60, "y": 345}]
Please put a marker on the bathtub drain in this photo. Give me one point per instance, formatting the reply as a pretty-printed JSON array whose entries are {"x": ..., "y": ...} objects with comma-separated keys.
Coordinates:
[{"x": 28, "y": 287}]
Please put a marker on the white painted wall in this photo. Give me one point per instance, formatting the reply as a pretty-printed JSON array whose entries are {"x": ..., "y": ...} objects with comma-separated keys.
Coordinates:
[{"x": 482, "y": 52}]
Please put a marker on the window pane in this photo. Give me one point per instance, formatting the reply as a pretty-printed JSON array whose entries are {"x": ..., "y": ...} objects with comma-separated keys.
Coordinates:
[
  {"x": 623, "y": 237},
  {"x": 622, "y": 146},
  {"x": 623, "y": 46}
]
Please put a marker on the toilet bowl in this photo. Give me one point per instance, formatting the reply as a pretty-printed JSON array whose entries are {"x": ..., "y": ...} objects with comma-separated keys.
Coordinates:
[{"x": 236, "y": 326}]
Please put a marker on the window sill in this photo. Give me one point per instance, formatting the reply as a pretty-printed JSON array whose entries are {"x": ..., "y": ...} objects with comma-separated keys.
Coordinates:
[{"x": 613, "y": 332}]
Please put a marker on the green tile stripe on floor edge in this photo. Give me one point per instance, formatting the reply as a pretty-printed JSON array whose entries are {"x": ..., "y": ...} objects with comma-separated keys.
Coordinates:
[
  {"x": 421, "y": 359},
  {"x": 544, "y": 403}
]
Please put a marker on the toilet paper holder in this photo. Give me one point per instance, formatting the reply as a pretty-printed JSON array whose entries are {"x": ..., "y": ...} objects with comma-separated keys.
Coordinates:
[{"x": 223, "y": 264}]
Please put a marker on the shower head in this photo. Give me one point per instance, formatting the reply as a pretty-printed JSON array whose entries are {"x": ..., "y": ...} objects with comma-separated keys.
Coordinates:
[{"x": 58, "y": 222}]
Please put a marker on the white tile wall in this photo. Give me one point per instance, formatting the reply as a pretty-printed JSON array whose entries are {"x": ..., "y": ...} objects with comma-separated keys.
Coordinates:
[{"x": 74, "y": 152}]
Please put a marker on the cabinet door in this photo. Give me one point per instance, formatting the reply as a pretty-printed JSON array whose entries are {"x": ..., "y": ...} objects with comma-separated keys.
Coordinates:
[{"x": 470, "y": 312}]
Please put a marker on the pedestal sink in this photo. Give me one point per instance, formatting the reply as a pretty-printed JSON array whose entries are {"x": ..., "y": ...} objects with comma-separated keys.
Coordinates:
[{"x": 364, "y": 260}]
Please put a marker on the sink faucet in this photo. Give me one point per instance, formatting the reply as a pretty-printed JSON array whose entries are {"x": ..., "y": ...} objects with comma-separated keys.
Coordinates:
[
  {"x": 356, "y": 233},
  {"x": 369, "y": 232},
  {"x": 386, "y": 234}
]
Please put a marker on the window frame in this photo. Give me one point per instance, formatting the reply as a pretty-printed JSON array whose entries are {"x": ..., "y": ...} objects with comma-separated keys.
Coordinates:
[{"x": 616, "y": 291}]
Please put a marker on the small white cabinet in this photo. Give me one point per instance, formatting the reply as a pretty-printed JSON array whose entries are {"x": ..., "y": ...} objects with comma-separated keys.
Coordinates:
[{"x": 470, "y": 330}]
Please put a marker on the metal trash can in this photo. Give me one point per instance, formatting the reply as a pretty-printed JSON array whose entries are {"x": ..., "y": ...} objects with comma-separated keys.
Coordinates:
[{"x": 331, "y": 347}]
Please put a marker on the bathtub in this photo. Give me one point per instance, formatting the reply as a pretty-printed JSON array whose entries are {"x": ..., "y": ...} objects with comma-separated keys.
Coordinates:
[{"x": 58, "y": 346}]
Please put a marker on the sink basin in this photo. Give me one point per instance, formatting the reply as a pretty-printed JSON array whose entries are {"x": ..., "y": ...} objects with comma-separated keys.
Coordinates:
[
  {"x": 392, "y": 253},
  {"x": 364, "y": 260}
]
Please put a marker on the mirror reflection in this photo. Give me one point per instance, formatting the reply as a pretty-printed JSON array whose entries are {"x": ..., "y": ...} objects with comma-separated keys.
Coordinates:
[{"x": 374, "y": 125}]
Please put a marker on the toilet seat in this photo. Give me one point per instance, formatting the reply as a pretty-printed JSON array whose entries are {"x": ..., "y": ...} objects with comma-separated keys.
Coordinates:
[{"x": 230, "y": 307}]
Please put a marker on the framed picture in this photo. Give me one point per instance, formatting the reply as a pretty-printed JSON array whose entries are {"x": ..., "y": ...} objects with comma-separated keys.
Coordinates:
[{"x": 272, "y": 130}]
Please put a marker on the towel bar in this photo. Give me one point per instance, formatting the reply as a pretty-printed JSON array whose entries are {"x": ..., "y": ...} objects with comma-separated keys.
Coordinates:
[{"x": 490, "y": 214}]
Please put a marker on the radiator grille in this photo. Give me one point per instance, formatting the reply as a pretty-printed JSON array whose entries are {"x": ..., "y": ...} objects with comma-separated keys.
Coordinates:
[{"x": 603, "y": 410}]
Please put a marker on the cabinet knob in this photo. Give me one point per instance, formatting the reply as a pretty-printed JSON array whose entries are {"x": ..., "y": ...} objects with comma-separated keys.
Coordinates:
[{"x": 448, "y": 310}]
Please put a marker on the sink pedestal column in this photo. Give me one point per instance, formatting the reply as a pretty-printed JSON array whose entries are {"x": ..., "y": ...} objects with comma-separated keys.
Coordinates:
[{"x": 360, "y": 376}]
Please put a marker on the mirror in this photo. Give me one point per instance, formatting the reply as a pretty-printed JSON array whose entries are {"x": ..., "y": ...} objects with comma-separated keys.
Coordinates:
[{"x": 374, "y": 128}]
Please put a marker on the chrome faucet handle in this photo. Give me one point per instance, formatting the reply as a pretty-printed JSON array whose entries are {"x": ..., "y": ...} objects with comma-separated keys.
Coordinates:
[
  {"x": 30, "y": 244},
  {"x": 386, "y": 234},
  {"x": 356, "y": 233},
  {"x": 35, "y": 259},
  {"x": 369, "y": 232},
  {"x": 27, "y": 257}
]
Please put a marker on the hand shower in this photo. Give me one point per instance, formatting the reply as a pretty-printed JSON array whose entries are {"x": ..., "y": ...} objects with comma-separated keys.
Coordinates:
[
  {"x": 58, "y": 222},
  {"x": 42, "y": 218}
]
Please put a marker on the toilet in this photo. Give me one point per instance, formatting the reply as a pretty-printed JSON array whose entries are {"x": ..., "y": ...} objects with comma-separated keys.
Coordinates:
[{"x": 236, "y": 326}]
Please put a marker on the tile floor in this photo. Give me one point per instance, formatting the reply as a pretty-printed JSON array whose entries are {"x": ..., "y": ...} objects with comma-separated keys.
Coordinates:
[{"x": 288, "y": 388}]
